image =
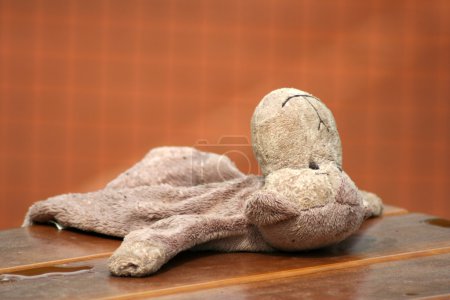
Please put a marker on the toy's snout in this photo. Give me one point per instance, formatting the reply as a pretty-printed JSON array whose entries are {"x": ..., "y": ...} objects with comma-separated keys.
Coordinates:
[
  {"x": 309, "y": 188},
  {"x": 305, "y": 209}
]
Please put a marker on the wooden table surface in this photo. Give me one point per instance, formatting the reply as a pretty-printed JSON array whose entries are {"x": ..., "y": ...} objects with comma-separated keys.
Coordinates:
[{"x": 400, "y": 255}]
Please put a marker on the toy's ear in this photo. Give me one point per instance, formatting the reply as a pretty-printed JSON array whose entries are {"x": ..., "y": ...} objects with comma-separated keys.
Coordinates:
[{"x": 267, "y": 207}]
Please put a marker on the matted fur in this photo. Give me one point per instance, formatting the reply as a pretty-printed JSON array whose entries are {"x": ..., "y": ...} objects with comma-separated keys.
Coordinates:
[{"x": 179, "y": 198}]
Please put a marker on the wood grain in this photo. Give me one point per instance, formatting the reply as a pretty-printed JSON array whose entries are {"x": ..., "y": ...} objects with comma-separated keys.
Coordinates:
[
  {"x": 380, "y": 240},
  {"x": 39, "y": 245},
  {"x": 419, "y": 277}
]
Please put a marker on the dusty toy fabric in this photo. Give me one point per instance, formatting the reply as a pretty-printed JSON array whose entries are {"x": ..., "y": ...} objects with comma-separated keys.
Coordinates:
[{"x": 179, "y": 198}]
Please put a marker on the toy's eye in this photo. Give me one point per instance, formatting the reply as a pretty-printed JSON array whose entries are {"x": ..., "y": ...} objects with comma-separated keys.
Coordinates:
[{"x": 313, "y": 165}]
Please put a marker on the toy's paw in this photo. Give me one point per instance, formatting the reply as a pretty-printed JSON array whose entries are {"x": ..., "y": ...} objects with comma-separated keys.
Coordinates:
[
  {"x": 57, "y": 210},
  {"x": 372, "y": 204},
  {"x": 137, "y": 259}
]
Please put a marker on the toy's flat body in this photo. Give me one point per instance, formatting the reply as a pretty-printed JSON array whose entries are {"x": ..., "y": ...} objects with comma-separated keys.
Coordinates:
[
  {"x": 138, "y": 198},
  {"x": 179, "y": 198}
]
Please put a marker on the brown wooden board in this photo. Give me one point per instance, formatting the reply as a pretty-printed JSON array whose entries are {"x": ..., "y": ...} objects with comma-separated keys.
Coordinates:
[
  {"x": 22, "y": 247},
  {"x": 381, "y": 240},
  {"x": 413, "y": 278}
]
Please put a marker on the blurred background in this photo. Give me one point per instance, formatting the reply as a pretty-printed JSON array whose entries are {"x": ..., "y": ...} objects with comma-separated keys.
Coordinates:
[{"x": 88, "y": 87}]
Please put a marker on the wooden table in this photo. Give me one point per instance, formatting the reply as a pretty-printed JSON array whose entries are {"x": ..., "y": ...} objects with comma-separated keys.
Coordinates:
[{"x": 401, "y": 255}]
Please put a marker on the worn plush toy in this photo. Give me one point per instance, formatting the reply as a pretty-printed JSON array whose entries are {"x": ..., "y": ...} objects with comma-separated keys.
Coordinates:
[{"x": 178, "y": 198}]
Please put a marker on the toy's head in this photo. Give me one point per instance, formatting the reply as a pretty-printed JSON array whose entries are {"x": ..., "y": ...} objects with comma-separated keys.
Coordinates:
[
  {"x": 307, "y": 200},
  {"x": 292, "y": 128}
]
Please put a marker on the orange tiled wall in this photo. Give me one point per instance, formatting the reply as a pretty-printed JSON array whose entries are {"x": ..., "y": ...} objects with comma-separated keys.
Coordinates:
[{"x": 87, "y": 87}]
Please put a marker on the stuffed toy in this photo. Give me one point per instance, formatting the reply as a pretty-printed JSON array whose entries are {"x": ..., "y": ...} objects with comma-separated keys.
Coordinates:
[{"x": 179, "y": 198}]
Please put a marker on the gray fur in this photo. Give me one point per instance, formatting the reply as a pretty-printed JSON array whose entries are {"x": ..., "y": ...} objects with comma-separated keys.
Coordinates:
[{"x": 179, "y": 198}]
